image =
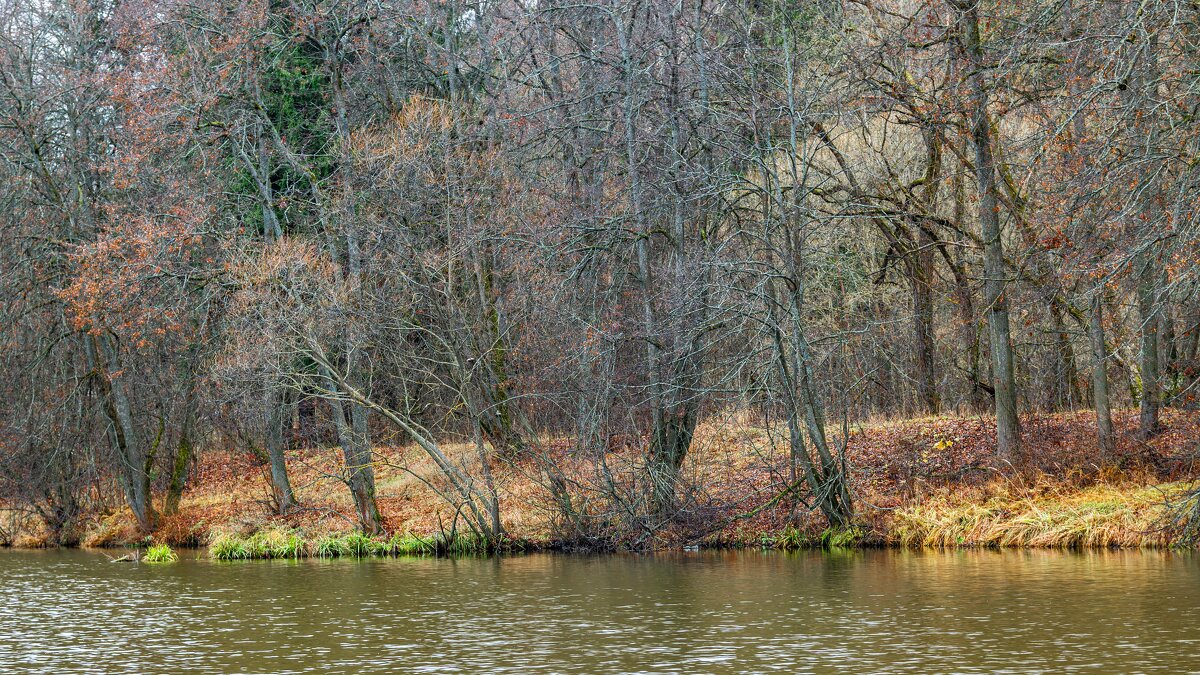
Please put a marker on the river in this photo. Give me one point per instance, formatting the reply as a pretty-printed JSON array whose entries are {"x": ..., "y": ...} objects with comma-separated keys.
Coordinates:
[{"x": 857, "y": 611}]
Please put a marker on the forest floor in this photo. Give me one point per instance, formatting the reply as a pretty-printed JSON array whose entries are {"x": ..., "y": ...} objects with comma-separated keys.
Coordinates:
[{"x": 931, "y": 481}]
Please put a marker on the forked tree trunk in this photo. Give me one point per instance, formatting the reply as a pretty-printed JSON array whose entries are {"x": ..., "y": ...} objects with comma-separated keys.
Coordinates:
[
  {"x": 136, "y": 461},
  {"x": 670, "y": 440},
  {"x": 354, "y": 437},
  {"x": 823, "y": 474}
]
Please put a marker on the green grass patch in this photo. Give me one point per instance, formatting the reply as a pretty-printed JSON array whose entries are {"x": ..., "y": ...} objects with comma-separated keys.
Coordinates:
[
  {"x": 789, "y": 539},
  {"x": 276, "y": 544},
  {"x": 229, "y": 547},
  {"x": 463, "y": 545},
  {"x": 281, "y": 543},
  {"x": 848, "y": 537},
  {"x": 160, "y": 553},
  {"x": 411, "y": 544}
]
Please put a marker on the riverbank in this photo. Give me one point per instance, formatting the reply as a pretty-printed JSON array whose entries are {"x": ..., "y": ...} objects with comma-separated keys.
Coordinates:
[{"x": 923, "y": 482}]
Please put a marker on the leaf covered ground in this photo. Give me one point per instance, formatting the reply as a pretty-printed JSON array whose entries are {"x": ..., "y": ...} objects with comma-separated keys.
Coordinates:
[{"x": 931, "y": 481}]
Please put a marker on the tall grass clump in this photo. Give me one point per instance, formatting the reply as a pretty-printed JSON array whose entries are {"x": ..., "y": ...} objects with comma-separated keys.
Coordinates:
[
  {"x": 354, "y": 545},
  {"x": 412, "y": 545},
  {"x": 160, "y": 553},
  {"x": 1184, "y": 517},
  {"x": 847, "y": 537},
  {"x": 265, "y": 544},
  {"x": 361, "y": 545},
  {"x": 462, "y": 544},
  {"x": 332, "y": 546},
  {"x": 227, "y": 546},
  {"x": 276, "y": 543},
  {"x": 1101, "y": 516},
  {"x": 788, "y": 539}
]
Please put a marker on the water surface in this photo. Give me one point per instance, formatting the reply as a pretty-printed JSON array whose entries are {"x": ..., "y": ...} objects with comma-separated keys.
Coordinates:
[{"x": 861, "y": 611}]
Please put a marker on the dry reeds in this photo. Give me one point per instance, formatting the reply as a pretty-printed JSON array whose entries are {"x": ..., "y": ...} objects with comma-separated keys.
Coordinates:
[{"x": 1100, "y": 516}]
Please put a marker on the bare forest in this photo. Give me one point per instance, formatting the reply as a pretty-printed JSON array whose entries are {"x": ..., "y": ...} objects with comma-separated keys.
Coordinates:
[{"x": 618, "y": 274}]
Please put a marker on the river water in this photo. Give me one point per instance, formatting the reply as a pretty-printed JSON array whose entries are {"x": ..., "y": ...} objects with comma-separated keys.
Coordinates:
[{"x": 856, "y": 611}]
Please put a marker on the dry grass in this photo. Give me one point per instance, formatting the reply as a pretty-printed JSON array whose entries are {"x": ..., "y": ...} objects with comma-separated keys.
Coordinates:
[
  {"x": 1100, "y": 516},
  {"x": 916, "y": 482}
]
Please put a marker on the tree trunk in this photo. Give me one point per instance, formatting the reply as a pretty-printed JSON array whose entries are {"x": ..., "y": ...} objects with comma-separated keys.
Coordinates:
[
  {"x": 1008, "y": 427},
  {"x": 271, "y": 228},
  {"x": 1191, "y": 337},
  {"x": 1104, "y": 424},
  {"x": 1066, "y": 375},
  {"x": 672, "y": 437},
  {"x": 1168, "y": 355},
  {"x": 499, "y": 421},
  {"x": 183, "y": 447},
  {"x": 354, "y": 437},
  {"x": 281, "y": 486},
  {"x": 136, "y": 462},
  {"x": 62, "y": 504},
  {"x": 179, "y": 464},
  {"x": 924, "y": 274},
  {"x": 965, "y": 302},
  {"x": 921, "y": 278},
  {"x": 1151, "y": 398},
  {"x": 825, "y": 476},
  {"x": 1141, "y": 87}
]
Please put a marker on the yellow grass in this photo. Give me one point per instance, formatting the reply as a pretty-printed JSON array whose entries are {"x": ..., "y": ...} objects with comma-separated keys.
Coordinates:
[{"x": 1101, "y": 516}]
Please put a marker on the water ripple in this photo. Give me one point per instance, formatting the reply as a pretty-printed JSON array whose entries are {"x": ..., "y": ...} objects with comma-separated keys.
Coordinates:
[{"x": 877, "y": 611}]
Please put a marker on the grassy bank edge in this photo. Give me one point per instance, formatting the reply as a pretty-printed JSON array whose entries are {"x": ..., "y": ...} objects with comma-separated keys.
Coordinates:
[
  {"x": 283, "y": 543},
  {"x": 1101, "y": 516}
]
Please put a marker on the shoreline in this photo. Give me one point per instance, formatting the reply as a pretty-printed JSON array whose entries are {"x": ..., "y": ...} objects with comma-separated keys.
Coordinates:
[
  {"x": 916, "y": 484},
  {"x": 1102, "y": 517}
]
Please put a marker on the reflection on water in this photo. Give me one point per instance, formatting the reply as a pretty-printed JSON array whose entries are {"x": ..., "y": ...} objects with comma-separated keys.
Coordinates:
[{"x": 879, "y": 611}]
